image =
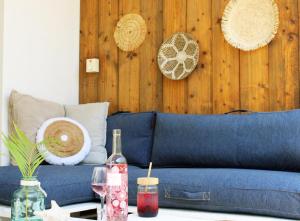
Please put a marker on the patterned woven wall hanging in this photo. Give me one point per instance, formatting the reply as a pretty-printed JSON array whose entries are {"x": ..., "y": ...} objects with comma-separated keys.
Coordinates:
[
  {"x": 73, "y": 141},
  {"x": 130, "y": 32},
  {"x": 250, "y": 24},
  {"x": 178, "y": 56}
]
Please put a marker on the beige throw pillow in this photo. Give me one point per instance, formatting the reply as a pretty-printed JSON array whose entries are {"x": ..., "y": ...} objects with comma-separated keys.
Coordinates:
[
  {"x": 93, "y": 118},
  {"x": 29, "y": 113}
]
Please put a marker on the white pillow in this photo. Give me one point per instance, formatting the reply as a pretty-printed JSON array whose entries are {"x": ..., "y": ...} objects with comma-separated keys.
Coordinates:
[
  {"x": 93, "y": 118},
  {"x": 75, "y": 142}
]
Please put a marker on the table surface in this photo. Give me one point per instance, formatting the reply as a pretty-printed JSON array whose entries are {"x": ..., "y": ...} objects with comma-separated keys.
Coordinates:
[
  {"x": 189, "y": 215},
  {"x": 163, "y": 215}
]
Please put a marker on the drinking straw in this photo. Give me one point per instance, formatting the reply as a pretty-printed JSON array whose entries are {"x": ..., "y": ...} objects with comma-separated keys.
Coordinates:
[
  {"x": 148, "y": 176},
  {"x": 149, "y": 170}
]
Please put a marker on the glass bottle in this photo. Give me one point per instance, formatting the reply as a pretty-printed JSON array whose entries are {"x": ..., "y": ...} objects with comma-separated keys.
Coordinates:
[
  {"x": 26, "y": 200},
  {"x": 117, "y": 182}
]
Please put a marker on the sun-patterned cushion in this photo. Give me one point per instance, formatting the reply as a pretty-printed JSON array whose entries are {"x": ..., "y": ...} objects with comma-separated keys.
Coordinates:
[{"x": 71, "y": 144}]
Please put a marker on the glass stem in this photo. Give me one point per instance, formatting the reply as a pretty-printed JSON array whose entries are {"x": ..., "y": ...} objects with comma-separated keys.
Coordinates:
[{"x": 101, "y": 212}]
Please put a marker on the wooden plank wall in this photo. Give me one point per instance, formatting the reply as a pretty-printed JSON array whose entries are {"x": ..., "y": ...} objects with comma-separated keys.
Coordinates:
[{"x": 225, "y": 79}]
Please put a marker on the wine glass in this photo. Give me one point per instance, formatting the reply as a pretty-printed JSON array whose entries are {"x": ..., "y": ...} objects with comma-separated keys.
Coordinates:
[{"x": 99, "y": 187}]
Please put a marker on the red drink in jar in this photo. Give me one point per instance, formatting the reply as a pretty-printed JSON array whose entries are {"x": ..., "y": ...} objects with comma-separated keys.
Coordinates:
[
  {"x": 147, "y": 204},
  {"x": 147, "y": 197}
]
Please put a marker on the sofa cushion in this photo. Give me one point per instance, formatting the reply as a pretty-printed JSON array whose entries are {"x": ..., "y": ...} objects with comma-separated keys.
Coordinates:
[
  {"x": 29, "y": 113},
  {"x": 64, "y": 184},
  {"x": 93, "y": 117},
  {"x": 137, "y": 136},
  {"x": 262, "y": 192},
  {"x": 254, "y": 141},
  {"x": 72, "y": 141}
]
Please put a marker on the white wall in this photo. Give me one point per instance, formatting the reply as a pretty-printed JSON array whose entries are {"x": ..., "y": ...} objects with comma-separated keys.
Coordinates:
[
  {"x": 1, "y": 69},
  {"x": 41, "y": 50}
]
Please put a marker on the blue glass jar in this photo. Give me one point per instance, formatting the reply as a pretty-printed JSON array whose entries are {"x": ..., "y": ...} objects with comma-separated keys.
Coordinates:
[{"x": 26, "y": 200}]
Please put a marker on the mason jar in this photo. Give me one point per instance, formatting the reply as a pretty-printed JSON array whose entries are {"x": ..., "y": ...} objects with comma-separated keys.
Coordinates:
[
  {"x": 147, "y": 196},
  {"x": 26, "y": 200}
]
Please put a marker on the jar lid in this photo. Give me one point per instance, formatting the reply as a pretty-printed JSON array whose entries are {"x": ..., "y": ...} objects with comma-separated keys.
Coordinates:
[{"x": 145, "y": 181}]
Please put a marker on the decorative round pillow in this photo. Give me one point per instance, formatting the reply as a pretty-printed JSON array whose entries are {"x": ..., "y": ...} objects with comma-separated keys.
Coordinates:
[
  {"x": 71, "y": 144},
  {"x": 250, "y": 24},
  {"x": 178, "y": 56},
  {"x": 130, "y": 32}
]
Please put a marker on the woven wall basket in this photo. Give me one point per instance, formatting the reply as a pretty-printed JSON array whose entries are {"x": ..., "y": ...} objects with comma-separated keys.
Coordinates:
[
  {"x": 130, "y": 32},
  {"x": 250, "y": 24},
  {"x": 73, "y": 141},
  {"x": 178, "y": 56}
]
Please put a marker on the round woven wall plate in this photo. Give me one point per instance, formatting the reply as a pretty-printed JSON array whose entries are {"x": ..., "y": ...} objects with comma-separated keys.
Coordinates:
[
  {"x": 250, "y": 24},
  {"x": 178, "y": 56},
  {"x": 72, "y": 141},
  {"x": 130, "y": 32}
]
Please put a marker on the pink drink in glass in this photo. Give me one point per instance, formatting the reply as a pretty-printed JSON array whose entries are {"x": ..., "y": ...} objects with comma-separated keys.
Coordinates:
[{"x": 99, "y": 188}]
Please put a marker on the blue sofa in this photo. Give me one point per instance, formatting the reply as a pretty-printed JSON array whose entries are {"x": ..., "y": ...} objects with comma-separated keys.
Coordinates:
[{"x": 226, "y": 163}]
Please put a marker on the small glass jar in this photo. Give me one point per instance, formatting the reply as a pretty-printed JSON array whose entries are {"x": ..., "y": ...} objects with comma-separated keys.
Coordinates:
[
  {"x": 26, "y": 200},
  {"x": 147, "y": 196}
]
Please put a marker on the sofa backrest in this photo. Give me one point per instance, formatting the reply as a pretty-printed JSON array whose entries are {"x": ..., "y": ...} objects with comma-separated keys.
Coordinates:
[
  {"x": 137, "y": 136},
  {"x": 258, "y": 140}
]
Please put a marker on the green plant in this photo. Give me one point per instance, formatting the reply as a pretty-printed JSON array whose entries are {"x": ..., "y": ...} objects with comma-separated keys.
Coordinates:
[
  {"x": 24, "y": 152},
  {"x": 27, "y": 156}
]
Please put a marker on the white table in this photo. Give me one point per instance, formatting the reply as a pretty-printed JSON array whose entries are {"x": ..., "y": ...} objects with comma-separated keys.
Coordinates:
[
  {"x": 163, "y": 215},
  {"x": 189, "y": 215}
]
